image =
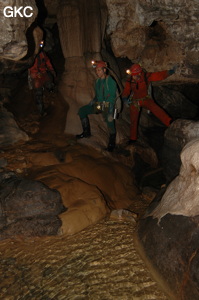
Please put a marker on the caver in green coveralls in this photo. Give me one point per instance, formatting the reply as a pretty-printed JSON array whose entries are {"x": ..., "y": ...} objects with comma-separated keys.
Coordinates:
[{"x": 104, "y": 102}]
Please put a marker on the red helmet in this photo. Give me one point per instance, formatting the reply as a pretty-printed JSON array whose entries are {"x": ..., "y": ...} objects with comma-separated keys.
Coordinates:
[
  {"x": 99, "y": 64},
  {"x": 135, "y": 69}
]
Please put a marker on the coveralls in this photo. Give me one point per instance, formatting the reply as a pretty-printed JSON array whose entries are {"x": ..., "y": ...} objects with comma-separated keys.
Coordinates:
[
  {"x": 140, "y": 98},
  {"x": 39, "y": 71},
  {"x": 105, "y": 91},
  {"x": 41, "y": 74}
]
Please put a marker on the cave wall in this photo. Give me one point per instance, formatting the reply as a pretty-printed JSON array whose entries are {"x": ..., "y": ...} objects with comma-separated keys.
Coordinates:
[
  {"x": 156, "y": 33},
  {"x": 13, "y": 42},
  {"x": 80, "y": 27}
]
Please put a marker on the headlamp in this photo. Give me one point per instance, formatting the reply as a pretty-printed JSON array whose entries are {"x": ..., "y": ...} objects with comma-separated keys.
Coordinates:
[
  {"x": 93, "y": 64},
  {"x": 128, "y": 72},
  {"x": 41, "y": 44},
  {"x": 99, "y": 64}
]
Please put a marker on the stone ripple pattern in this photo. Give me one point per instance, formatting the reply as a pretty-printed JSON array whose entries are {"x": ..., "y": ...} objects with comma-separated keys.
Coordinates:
[{"x": 99, "y": 263}]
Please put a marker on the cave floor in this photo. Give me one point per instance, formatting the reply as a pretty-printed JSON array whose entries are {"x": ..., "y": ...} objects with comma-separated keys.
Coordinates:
[{"x": 99, "y": 262}]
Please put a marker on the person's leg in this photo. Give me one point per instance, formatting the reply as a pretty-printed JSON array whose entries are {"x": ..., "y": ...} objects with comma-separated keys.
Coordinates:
[
  {"x": 112, "y": 135},
  {"x": 83, "y": 113},
  {"x": 48, "y": 82},
  {"x": 157, "y": 111},
  {"x": 134, "y": 116},
  {"x": 38, "y": 95}
]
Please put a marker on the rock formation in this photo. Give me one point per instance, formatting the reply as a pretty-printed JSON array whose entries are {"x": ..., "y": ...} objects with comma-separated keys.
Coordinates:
[
  {"x": 10, "y": 133},
  {"x": 28, "y": 208},
  {"x": 157, "y": 34},
  {"x": 168, "y": 234},
  {"x": 13, "y": 41},
  {"x": 176, "y": 137},
  {"x": 90, "y": 185}
]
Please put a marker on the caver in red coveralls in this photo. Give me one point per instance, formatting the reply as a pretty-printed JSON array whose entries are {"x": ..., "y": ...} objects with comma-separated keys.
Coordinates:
[
  {"x": 136, "y": 93},
  {"x": 41, "y": 75}
]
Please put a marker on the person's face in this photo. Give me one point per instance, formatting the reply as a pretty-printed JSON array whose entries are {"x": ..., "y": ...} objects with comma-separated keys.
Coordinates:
[
  {"x": 136, "y": 77},
  {"x": 100, "y": 72}
]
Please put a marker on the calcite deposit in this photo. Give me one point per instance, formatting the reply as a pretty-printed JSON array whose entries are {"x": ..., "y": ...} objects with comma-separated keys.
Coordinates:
[{"x": 167, "y": 235}]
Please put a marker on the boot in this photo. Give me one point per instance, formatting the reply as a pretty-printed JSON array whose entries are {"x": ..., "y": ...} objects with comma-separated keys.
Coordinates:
[
  {"x": 131, "y": 142},
  {"x": 86, "y": 129},
  {"x": 111, "y": 143}
]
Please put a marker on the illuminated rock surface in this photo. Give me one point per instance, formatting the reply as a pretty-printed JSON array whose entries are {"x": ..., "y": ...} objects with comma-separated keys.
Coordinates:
[
  {"x": 174, "y": 222},
  {"x": 13, "y": 43},
  {"x": 10, "y": 133},
  {"x": 176, "y": 137}
]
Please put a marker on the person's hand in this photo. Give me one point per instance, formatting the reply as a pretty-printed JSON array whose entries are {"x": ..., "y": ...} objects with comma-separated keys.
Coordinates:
[
  {"x": 33, "y": 75},
  {"x": 172, "y": 71}
]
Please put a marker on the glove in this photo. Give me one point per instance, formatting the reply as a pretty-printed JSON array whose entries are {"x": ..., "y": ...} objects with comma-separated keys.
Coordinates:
[
  {"x": 172, "y": 71},
  {"x": 33, "y": 75}
]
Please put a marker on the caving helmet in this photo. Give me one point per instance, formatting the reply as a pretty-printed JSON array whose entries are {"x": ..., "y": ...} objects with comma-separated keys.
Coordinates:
[
  {"x": 135, "y": 69},
  {"x": 99, "y": 64}
]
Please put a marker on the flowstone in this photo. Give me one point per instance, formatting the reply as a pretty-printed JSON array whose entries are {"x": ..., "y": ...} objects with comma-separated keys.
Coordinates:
[{"x": 168, "y": 234}]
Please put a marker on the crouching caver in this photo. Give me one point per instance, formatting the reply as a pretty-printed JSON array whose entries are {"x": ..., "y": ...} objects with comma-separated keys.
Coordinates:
[
  {"x": 41, "y": 75},
  {"x": 103, "y": 102}
]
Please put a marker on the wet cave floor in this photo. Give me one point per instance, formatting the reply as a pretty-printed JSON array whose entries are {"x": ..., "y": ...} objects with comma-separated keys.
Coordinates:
[{"x": 100, "y": 262}]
